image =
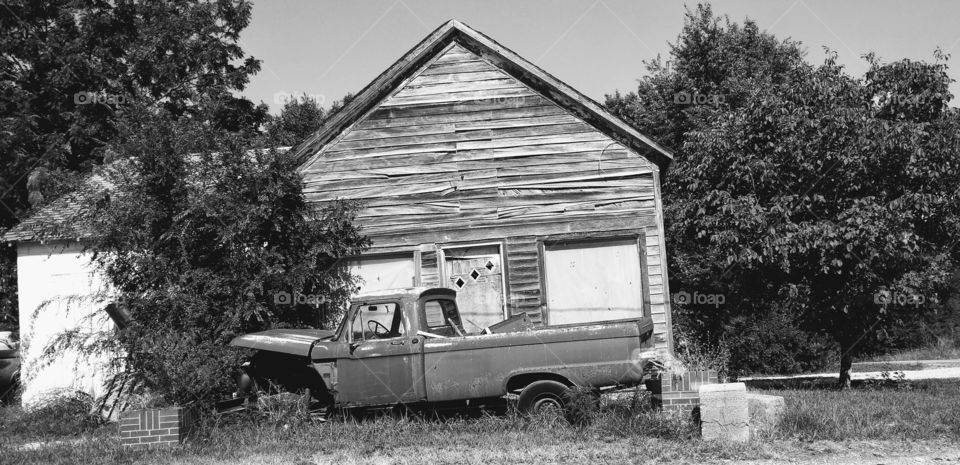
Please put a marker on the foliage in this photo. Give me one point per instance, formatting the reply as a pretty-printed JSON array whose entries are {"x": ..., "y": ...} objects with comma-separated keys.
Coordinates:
[
  {"x": 9, "y": 311},
  {"x": 70, "y": 67},
  {"x": 200, "y": 238},
  {"x": 799, "y": 189},
  {"x": 697, "y": 354},
  {"x": 300, "y": 118},
  {"x": 943, "y": 348},
  {"x": 61, "y": 415},
  {"x": 773, "y": 342}
]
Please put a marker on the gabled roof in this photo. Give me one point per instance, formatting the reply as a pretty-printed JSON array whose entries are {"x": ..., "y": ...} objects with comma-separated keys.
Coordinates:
[
  {"x": 511, "y": 63},
  {"x": 62, "y": 218}
]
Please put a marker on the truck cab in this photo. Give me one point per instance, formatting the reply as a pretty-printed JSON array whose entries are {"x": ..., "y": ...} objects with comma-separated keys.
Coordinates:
[{"x": 376, "y": 355}]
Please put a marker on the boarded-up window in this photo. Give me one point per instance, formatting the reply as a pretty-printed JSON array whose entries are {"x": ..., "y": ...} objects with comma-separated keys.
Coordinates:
[
  {"x": 379, "y": 273},
  {"x": 593, "y": 281}
]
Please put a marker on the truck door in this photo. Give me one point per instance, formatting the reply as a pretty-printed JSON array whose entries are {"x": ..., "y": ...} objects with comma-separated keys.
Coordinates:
[
  {"x": 379, "y": 370},
  {"x": 454, "y": 367}
]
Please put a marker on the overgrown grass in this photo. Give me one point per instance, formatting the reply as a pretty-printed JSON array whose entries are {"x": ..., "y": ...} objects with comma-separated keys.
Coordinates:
[
  {"x": 890, "y": 411},
  {"x": 616, "y": 432},
  {"x": 943, "y": 349},
  {"x": 620, "y": 430},
  {"x": 61, "y": 417}
]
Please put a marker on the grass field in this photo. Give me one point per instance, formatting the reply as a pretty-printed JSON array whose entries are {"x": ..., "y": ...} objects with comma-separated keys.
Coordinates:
[
  {"x": 943, "y": 349},
  {"x": 921, "y": 412}
]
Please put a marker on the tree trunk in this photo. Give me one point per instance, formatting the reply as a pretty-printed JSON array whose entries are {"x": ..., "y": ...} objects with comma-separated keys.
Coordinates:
[{"x": 846, "y": 363}]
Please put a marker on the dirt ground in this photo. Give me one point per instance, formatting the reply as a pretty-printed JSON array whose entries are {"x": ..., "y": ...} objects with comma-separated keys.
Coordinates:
[
  {"x": 860, "y": 453},
  {"x": 777, "y": 452}
]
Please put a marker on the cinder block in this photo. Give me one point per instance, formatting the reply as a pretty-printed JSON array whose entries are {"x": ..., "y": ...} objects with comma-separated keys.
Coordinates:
[
  {"x": 724, "y": 412},
  {"x": 766, "y": 412}
]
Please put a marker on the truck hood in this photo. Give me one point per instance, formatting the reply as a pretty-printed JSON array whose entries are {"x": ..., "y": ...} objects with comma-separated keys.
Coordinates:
[{"x": 286, "y": 341}]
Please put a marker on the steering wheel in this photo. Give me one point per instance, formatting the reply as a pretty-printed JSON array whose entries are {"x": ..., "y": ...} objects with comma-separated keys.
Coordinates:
[{"x": 376, "y": 326}]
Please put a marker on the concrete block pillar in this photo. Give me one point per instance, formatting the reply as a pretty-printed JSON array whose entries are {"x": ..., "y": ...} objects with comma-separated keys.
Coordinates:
[{"x": 724, "y": 412}]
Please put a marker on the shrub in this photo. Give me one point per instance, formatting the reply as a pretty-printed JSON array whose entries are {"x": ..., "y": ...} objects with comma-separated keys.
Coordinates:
[
  {"x": 198, "y": 235},
  {"x": 697, "y": 354},
  {"x": 582, "y": 404},
  {"x": 774, "y": 343}
]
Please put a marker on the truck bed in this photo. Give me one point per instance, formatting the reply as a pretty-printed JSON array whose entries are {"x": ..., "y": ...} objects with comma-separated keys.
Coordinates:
[{"x": 595, "y": 354}]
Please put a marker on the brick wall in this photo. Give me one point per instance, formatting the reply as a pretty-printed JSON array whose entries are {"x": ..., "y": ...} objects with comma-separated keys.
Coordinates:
[
  {"x": 680, "y": 391},
  {"x": 154, "y": 427}
]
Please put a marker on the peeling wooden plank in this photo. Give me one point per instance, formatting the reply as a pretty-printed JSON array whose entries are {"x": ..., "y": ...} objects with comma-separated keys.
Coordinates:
[
  {"x": 457, "y": 108},
  {"x": 459, "y": 67},
  {"x": 414, "y": 90},
  {"x": 535, "y": 109},
  {"x": 541, "y": 144},
  {"x": 428, "y": 79},
  {"x": 508, "y": 133},
  {"x": 514, "y": 92}
]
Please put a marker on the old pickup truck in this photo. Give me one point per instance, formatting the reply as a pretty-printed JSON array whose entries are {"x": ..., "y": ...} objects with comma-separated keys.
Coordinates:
[{"x": 408, "y": 346}]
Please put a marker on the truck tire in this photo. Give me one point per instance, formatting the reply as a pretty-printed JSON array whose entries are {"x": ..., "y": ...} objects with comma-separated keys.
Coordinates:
[{"x": 541, "y": 396}]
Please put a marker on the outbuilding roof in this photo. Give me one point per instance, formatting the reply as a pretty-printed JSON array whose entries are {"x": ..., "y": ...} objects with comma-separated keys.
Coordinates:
[{"x": 62, "y": 218}]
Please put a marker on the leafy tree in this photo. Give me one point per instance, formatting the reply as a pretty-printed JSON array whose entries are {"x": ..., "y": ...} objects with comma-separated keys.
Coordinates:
[
  {"x": 298, "y": 118},
  {"x": 810, "y": 199},
  {"x": 199, "y": 237},
  {"x": 67, "y": 67}
]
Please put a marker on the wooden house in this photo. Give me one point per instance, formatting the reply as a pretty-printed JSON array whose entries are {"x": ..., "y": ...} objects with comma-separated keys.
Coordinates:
[
  {"x": 481, "y": 172},
  {"x": 477, "y": 171}
]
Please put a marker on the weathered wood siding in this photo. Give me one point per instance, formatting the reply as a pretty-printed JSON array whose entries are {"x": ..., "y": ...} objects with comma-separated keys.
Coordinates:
[{"x": 463, "y": 152}]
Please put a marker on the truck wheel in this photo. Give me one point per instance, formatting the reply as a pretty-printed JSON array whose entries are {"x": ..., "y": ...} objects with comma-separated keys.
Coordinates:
[{"x": 543, "y": 396}]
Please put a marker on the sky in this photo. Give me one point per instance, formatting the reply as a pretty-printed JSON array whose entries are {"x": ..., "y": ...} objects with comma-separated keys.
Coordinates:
[{"x": 326, "y": 48}]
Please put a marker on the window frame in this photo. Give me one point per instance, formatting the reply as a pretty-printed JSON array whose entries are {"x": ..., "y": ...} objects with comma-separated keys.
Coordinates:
[
  {"x": 421, "y": 310},
  {"x": 545, "y": 242},
  {"x": 354, "y": 313}
]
